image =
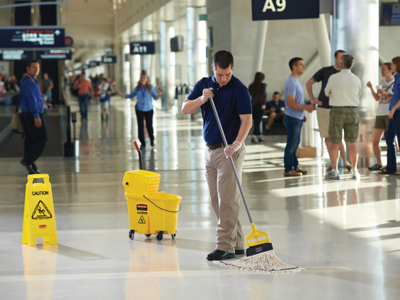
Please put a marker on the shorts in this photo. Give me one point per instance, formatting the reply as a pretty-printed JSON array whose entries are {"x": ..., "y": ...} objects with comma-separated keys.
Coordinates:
[
  {"x": 382, "y": 122},
  {"x": 323, "y": 115},
  {"x": 278, "y": 117},
  {"x": 105, "y": 105},
  {"x": 344, "y": 118}
]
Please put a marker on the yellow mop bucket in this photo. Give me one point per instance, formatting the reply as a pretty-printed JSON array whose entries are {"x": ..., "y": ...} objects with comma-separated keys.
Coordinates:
[{"x": 150, "y": 212}]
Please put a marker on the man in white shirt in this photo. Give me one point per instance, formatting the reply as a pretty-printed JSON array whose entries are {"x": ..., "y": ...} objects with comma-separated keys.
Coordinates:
[{"x": 344, "y": 91}]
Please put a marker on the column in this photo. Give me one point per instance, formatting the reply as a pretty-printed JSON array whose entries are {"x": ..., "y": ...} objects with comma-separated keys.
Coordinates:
[{"x": 356, "y": 30}]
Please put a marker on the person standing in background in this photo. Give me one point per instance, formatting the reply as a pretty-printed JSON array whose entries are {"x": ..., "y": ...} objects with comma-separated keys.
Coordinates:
[
  {"x": 47, "y": 87},
  {"x": 344, "y": 92},
  {"x": 394, "y": 116},
  {"x": 144, "y": 107},
  {"x": 258, "y": 93},
  {"x": 31, "y": 105},
  {"x": 324, "y": 109},
  {"x": 85, "y": 90},
  {"x": 382, "y": 118},
  {"x": 294, "y": 116}
]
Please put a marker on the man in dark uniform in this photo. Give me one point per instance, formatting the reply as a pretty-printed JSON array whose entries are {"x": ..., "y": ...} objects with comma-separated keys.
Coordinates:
[
  {"x": 32, "y": 118},
  {"x": 233, "y": 104}
]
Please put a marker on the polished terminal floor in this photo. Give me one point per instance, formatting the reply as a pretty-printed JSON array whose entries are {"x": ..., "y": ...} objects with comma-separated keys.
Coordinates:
[{"x": 346, "y": 234}]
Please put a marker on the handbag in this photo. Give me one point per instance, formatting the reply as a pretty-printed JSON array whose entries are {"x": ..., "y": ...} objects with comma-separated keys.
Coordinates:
[{"x": 16, "y": 123}]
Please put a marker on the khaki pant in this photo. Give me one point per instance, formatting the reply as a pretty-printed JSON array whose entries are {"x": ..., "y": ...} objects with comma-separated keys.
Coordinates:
[{"x": 225, "y": 197}]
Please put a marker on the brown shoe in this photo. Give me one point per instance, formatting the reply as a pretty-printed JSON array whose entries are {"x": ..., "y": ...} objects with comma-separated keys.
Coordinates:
[
  {"x": 301, "y": 171},
  {"x": 292, "y": 173}
]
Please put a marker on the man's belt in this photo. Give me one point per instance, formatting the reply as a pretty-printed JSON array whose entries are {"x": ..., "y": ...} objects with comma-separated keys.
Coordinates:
[
  {"x": 346, "y": 106},
  {"x": 216, "y": 146}
]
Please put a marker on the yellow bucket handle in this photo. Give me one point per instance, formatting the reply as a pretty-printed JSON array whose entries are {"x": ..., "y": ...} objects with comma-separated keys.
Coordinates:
[{"x": 171, "y": 211}]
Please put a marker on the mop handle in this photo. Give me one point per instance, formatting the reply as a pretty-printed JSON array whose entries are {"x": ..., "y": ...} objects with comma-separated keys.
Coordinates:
[
  {"x": 140, "y": 154},
  {"x": 230, "y": 158}
]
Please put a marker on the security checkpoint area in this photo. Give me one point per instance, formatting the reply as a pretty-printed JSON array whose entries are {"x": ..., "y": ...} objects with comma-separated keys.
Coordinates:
[{"x": 151, "y": 184}]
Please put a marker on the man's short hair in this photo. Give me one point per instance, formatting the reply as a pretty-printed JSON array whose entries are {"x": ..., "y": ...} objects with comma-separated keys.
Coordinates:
[
  {"x": 83, "y": 73},
  {"x": 339, "y": 51},
  {"x": 33, "y": 61},
  {"x": 276, "y": 93},
  {"x": 347, "y": 61},
  {"x": 223, "y": 59},
  {"x": 103, "y": 79},
  {"x": 293, "y": 62}
]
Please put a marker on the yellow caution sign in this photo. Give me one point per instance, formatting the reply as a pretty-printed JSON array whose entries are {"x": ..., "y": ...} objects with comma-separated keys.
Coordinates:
[{"x": 39, "y": 217}]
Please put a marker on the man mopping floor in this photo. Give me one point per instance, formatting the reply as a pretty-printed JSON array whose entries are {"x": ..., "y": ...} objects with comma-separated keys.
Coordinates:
[{"x": 233, "y": 104}]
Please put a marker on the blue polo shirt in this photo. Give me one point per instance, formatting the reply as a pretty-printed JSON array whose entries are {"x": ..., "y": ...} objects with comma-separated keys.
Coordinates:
[
  {"x": 231, "y": 101},
  {"x": 293, "y": 87},
  {"x": 396, "y": 92},
  {"x": 30, "y": 97},
  {"x": 143, "y": 93}
]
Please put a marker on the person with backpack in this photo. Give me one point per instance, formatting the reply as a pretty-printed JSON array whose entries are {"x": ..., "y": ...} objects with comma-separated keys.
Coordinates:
[
  {"x": 258, "y": 93},
  {"x": 84, "y": 87},
  {"x": 31, "y": 103}
]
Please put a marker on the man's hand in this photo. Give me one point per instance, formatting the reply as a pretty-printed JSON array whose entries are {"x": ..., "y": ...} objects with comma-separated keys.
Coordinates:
[
  {"x": 273, "y": 109},
  {"x": 38, "y": 122},
  {"x": 317, "y": 102},
  {"x": 207, "y": 94},
  {"x": 369, "y": 84},
  {"x": 304, "y": 119},
  {"x": 230, "y": 149},
  {"x": 49, "y": 105},
  {"x": 263, "y": 106},
  {"x": 309, "y": 108}
]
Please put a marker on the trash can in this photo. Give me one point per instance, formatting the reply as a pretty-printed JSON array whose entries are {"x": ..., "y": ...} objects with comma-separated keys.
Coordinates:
[{"x": 150, "y": 212}]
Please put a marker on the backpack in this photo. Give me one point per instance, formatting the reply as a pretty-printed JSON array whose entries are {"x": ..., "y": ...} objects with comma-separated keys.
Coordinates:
[{"x": 74, "y": 91}]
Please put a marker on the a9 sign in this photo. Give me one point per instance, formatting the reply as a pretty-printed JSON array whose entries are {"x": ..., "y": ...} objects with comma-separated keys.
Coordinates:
[{"x": 279, "y": 6}]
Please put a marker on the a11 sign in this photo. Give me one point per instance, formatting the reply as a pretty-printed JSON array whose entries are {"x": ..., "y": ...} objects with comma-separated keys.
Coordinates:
[
  {"x": 285, "y": 9},
  {"x": 142, "y": 48}
]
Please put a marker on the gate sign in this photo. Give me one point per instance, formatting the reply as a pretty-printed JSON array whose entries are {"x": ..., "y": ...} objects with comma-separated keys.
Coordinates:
[
  {"x": 109, "y": 59},
  {"x": 16, "y": 55},
  {"x": 143, "y": 48},
  {"x": 54, "y": 54},
  {"x": 285, "y": 9},
  {"x": 94, "y": 63},
  {"x": 32, "y": 38}
]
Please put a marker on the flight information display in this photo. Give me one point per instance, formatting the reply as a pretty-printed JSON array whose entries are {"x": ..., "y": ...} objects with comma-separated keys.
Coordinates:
[
  {"x": 390, "y": 14},
  {"x": 32, "y": 38},
  {"x": 54, "y": 54},
  {"x": 142, "y": 48},
  {"x": 16, "y": 55},
  {"x": 109, "y": 59}
]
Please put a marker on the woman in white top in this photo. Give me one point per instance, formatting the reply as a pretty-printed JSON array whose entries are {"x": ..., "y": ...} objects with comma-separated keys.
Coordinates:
[{"x": 382, "y": 118}]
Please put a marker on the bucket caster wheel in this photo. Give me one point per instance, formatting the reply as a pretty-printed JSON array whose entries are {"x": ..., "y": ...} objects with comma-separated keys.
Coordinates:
[
  {"x": 131, "y": 234},
  {"x": 148, "y": 235},
  {"x": 160, "y": 236},
  {"x": 174, "y": 235}
]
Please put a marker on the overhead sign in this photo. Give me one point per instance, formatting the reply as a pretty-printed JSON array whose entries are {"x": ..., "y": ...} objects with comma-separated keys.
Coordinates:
[
  {"x": 204, "y": 17},
  {"x": 69, "y": 41},
  {"x": 16, "y": 55},
  {"x": 54, "y": 54},
  {"x": 94, "y": 63},
  {"x": 109, "y": 59},
  {"x": 285, "y": 9},
  {"x": 84, "y": 67},
  {"x": 142, "y": 48},
  {"x": 32, "y": 38}
]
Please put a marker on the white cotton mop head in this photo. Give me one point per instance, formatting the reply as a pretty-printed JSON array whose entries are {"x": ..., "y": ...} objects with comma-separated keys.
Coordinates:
[{"x": 265, "y": 262}]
